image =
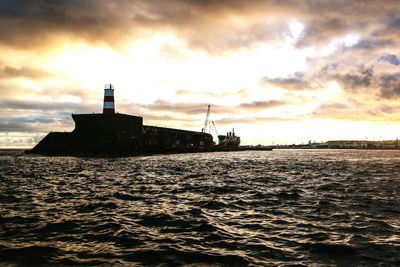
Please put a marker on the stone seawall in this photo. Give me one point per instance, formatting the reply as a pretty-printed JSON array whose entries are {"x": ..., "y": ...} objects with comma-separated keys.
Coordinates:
[{"x": 120, "y": 135}]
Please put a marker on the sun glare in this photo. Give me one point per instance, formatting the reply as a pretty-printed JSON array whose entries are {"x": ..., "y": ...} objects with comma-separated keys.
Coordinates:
[{"x": 296, "y": 29}]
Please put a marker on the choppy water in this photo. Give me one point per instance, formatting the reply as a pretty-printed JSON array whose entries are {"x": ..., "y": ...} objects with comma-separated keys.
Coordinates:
[{"x": 289, "y": 208}]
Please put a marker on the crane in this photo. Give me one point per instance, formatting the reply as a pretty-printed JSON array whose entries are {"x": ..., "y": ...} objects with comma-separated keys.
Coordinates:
[
  {"x": 216, "y": 133},
  {"x": 207, "y": 122},
  {"x": 215, "y": 128}
]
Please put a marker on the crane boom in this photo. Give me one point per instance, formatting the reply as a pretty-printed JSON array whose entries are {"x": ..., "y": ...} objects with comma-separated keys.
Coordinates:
[
  {"x": 215, "y": 128},
  {"x": 207, "y": 122}
]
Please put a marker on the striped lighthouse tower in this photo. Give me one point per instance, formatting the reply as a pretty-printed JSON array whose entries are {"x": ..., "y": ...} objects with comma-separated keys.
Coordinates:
[{"x": 109, "y": 107}]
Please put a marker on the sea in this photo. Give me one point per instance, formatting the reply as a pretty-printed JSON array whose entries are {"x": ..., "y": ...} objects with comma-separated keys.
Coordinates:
[{"x": 249, "y": 208}]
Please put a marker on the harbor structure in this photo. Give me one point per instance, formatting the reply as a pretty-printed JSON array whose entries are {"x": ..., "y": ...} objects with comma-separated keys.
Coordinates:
[
  {"x": 230, "y": 141},
  {"x": 111, "y": 133}
]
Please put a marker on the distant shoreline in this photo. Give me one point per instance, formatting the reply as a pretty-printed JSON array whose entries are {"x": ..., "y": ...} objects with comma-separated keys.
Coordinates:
[
  {"x": 348, "y": 148},
  {"x": 8, "y": 149},
  {"x": 252, "y": 149}
]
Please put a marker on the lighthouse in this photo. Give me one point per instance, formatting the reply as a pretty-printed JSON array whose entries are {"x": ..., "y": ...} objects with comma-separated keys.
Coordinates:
[{"x": 109, "y": 106}]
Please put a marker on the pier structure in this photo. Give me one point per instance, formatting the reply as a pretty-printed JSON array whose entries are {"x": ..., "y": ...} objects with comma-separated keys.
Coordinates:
[{"x": 111, "y": 133}]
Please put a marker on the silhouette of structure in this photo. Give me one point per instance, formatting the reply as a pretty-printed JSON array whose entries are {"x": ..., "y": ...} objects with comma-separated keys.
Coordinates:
[
  {"x": 118, "y": 134},
  {"x": 108, "y": 104}
]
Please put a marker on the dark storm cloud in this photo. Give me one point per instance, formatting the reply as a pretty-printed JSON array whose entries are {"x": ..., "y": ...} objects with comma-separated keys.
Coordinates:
[
  {"x": 320, "y": 30},
  {"x": 394, "y": 20},
  {"x": 361, "y": 78},
  {"x": 388, "y": 109},
  {"x": 32, "y": 123},
  {"x": 44, "y": 106},
  {"x": 392, "y": 59},
  {"x": 390, "y": 85},
  {"x": 27, "y": 72},
  {"x": 354, "y": 110},
  {"x": 182, "y": 108},
  {"x": 329, "y": 19},
  {"x": 14, "y": 126},
  {"x": 390, "y": 26},
  {"x": 26, "y": 23},
  {"x": 350, "y": 76},
  {"x": 296, "y": 82},
  {"x": 31, "y": 105},
  {"x": 373, "y": 44},
  {"x": 331, "y": 107},
  {"x": 208, "y": 25},
  {"x": 253, "y": 120},
  {"x": 262, "y": 104},
  {"x": 201, "y": 108},
  {"x": 341, "y": 111}
]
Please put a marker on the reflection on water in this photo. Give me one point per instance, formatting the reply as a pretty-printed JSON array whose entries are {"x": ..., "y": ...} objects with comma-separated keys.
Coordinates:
[{"x": 240, "y": 208}]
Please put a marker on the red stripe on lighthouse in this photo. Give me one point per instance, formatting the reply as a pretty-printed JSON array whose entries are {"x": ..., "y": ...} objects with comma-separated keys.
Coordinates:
[{"x": 108, "y": 98}]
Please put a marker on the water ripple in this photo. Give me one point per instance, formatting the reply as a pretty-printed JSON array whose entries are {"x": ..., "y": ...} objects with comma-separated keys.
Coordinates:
[{"x": 279, "y": 208}]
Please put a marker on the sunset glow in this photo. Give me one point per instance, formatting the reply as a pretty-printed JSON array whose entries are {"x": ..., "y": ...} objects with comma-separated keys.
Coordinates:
[{"x": 280, "y": 73}]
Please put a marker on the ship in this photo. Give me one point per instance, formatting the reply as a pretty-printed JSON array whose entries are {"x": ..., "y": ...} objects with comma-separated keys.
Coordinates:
[
  {"x": 230, "y": 141},
  {"x": 116, "y": 134}
]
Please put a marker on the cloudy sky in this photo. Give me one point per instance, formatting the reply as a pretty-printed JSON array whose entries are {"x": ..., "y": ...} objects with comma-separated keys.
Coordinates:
[{"x": 276, "y": 70}]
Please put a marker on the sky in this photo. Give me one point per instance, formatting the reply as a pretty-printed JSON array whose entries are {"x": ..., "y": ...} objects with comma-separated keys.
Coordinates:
[{"x": 278, "y": 71}]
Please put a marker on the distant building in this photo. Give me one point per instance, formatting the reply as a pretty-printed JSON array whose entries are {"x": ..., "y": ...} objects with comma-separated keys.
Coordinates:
[
  {"x": 347, "y": 144},
  {"x": 316, "y": 145},
  {"x": 387, "y": 144},
  {"x": 358, "y": 144}
]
